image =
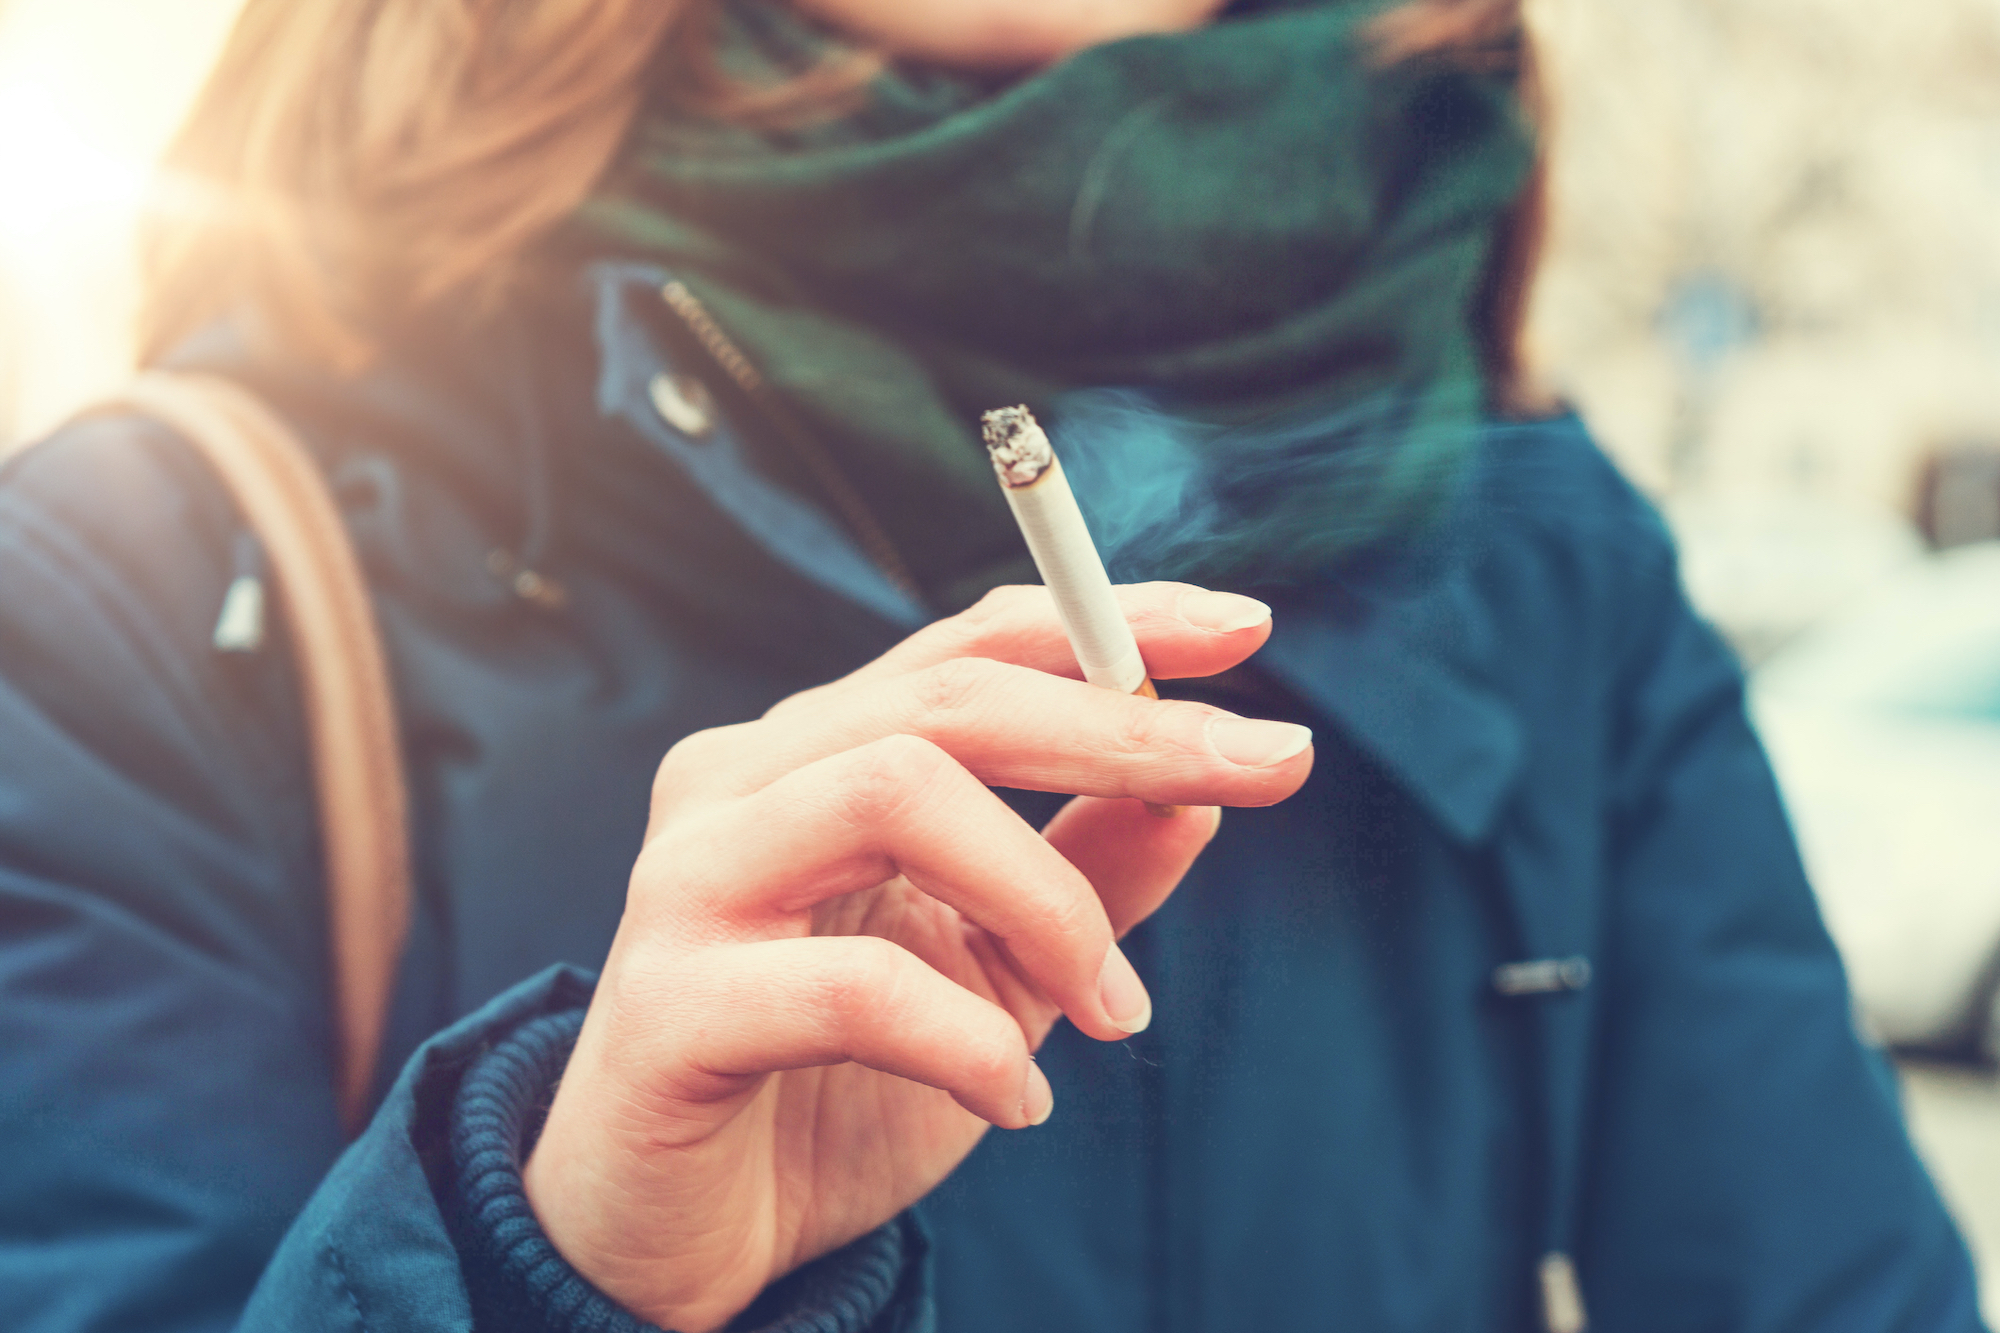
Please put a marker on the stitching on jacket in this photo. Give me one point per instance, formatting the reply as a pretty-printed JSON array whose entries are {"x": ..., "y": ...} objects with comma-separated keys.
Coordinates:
[{"x": 346, "y": 1286}]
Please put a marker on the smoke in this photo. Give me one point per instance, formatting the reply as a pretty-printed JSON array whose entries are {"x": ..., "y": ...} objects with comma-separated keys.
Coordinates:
[{"x": 1272, "y": 501}]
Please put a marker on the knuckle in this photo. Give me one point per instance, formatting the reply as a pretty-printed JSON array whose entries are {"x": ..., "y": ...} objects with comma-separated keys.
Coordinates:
[
  {"x": 653, "y": 867},
  {"x": 790, "y": 705},
  {"x": 1063, "y": 930},
  {"x": 691, "y": 759},
  {"x": 1066, "y": 916},
  {"x": 865, "y": 979},
  {"x": 968, "y": 633},
  {"x": 908, "y": 758},
  {"x": 884, "y": 777},
  {"x": 683, "y": 754},
  {"x": 989, "y": 1057},
  {"x": 804, "y": 701},
  {"x": 1141, "y": 728},
  {"x": 999, "y": 603},
  {"x": 954, "y": 687},
  {"x": 670, "y": 871}
]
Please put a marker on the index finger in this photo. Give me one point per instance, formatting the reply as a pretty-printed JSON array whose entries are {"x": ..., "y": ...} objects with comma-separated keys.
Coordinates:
[{"x": 1183, "y": 630}]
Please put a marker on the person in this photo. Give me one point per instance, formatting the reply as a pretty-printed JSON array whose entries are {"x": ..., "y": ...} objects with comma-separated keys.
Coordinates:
[{"x": 643, "y": 345}]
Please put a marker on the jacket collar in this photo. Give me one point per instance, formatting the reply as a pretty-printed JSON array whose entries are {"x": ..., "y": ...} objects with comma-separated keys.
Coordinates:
[
  {"x": 633, "y": 373},
  {"x": 1396, "y": 658},
  {"x": 1397, "y": 665},
  {"x": 1392, "y": 658}
]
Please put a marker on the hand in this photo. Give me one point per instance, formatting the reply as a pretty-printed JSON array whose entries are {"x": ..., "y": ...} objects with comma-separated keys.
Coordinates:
[
  {"x": 840, "y": 949},
  {"x": 1003, "y": 34}
]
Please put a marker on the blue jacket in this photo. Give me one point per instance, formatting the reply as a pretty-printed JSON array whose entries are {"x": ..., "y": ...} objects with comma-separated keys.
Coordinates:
[{"x": 1528, "y": 968}]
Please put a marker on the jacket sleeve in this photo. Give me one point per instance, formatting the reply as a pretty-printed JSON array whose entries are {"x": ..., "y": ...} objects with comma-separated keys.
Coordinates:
[
  {"x": 423, "y": 1224},
  {"x": 165, "y": 1095},
  {"x": 1750, "y": 1171},
  {"x": 167, "y": 1107}
]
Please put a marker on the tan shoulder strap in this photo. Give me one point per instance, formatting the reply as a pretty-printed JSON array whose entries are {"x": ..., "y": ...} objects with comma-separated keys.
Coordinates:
[{"x": 349, "y": 709}]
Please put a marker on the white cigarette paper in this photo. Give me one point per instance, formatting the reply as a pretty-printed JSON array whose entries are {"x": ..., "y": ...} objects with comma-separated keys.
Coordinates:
[{"x": 1032, "y": 477}]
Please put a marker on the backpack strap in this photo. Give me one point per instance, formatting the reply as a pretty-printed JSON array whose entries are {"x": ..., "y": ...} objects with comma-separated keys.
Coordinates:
[{"x": 349, "y": 709}]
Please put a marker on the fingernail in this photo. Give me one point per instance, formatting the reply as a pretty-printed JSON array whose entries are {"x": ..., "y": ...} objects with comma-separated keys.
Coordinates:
[
  {"x": 1257, "y": 744},
  {"x": 1124, "y": 996},
  {"x": 1038, "y": 1099},
  {"x": 1222, "y": 612}
]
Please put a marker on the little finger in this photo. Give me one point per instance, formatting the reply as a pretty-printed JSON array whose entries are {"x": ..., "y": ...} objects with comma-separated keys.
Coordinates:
[{"x": 801, "y": 1003}]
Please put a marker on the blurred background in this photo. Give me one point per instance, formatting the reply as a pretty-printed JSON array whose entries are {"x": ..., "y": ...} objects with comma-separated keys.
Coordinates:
[{"x": 1773, "y": 287}]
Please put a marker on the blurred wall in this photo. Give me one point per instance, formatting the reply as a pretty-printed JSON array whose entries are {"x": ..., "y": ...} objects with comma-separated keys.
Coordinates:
[
  {"x": 1776, "y": 257},
  {"x": 1773, "y": 283},
  {"x": 90, "y": 90}
]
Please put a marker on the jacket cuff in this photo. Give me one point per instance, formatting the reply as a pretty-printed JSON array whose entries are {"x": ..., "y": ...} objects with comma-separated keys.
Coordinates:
[{"x": 520, "y": 1283}]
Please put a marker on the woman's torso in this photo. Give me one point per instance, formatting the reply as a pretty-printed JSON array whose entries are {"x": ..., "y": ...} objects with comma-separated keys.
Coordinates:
[{"x": 1334, "y": 1119}]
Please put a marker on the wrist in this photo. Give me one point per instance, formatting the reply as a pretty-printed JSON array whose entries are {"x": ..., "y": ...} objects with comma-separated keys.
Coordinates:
[
  {"x": 560, "y": 1184},
  {"x": 514, "y": 1275}
]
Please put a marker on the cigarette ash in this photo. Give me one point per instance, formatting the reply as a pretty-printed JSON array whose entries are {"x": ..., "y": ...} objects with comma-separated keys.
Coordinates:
[{"x": 1016, "y": 444}]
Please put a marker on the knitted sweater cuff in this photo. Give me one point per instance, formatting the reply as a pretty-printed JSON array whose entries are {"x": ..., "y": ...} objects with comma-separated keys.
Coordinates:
[{"x": 518, "y": 1280}]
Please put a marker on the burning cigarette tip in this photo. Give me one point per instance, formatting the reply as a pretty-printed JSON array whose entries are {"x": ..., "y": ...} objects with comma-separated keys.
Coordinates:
[{"x": 1017, "y": 445}]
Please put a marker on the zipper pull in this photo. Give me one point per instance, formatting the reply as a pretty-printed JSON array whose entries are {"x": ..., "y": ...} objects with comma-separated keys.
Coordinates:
[
  {"x": 240, "y": 626},
  {"x": 1562, "y": 1296},
  {"x": 1541, "y": 976}
]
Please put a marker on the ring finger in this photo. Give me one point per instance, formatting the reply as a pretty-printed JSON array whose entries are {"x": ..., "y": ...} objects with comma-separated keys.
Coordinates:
[{"x": 898, "y": 805}]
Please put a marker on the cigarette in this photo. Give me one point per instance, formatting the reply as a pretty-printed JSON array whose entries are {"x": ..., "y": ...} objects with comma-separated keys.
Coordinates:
[
  {"x": 1067, "y": 559},
  {"x": 1031, "y": 477}
]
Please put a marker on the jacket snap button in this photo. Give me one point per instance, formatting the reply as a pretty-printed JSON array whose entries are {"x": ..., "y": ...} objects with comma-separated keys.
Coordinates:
[
  {"x": 1542, "y": 976},
  {"x": 684, "y": 403}
]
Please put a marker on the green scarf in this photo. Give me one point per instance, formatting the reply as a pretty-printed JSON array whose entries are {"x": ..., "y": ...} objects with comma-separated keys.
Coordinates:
[{"x": 1248, "y": 224}]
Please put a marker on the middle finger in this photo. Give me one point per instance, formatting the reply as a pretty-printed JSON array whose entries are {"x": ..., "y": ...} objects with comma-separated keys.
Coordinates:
[{"x": 1013, "y": 726}]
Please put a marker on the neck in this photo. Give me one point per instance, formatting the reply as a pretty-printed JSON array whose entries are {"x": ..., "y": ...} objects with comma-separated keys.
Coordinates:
[{"x": 1002, "y": 34}]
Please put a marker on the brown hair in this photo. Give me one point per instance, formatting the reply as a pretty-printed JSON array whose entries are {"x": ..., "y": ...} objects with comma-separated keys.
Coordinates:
[
  {"x": 350, "y": 153},
  {"x": 1489, "y": 35},
  {"x": 1484, "y": 33},
  {"x": 351, "y": 159}
]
